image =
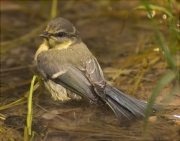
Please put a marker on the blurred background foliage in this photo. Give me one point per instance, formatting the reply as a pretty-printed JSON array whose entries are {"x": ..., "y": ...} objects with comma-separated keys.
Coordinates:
[{"x": 137, "y": 45}]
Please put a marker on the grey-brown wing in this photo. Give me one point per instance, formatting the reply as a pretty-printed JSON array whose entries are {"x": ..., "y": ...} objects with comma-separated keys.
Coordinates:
[
  {"x": 76, "y": 81},
  {"x": 66, "y": 75},
  {"x": 49, "y": 65},
  {"x": 95, "y": 76}
]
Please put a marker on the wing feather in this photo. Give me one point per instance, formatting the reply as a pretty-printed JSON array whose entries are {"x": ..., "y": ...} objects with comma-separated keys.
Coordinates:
[
  {"x": 95, "y": 76},
  {"x": 66, "y": 75}
]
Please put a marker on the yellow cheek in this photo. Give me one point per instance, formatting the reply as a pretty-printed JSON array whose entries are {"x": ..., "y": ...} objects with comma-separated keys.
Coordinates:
[
  {"x": 52, "y": 42},
  {"x": 59, "y": 44},
  {"x": 63, "y": 45}
]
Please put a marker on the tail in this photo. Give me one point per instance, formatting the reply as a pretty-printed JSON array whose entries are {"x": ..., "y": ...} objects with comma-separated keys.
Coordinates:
[{"x": 124, "y": 106}]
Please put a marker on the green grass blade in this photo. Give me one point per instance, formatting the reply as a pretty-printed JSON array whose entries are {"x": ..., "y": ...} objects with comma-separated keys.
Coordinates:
[
  {"x": 161, "y": 40},
  {"x": 161, "y": 84},
  {"x": 155, "y": 7},
  {"x": 29, "y": 114},
  {"x": 169, "y": 98},
  {"x": 54, "y": 9}
]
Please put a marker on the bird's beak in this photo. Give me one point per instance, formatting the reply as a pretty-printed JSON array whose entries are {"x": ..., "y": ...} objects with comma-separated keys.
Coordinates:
[{"x": 45, "y": 34}]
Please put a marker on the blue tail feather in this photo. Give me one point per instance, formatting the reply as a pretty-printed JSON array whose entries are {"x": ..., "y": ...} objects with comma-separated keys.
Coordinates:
[{"x": 125, "y": 106}]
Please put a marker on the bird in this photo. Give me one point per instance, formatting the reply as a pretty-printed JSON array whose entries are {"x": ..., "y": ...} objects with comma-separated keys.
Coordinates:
[{"x": 70, "y": 71}]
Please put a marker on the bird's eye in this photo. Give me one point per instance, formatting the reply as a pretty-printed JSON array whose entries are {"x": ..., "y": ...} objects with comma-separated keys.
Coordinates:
[{"x": 61, "y": 34}]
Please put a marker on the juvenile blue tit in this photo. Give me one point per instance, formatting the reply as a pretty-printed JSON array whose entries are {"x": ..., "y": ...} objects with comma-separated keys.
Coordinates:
[{"x": 70, "y": 71}]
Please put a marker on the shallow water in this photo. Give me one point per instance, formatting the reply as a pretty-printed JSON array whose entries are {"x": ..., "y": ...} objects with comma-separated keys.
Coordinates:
[{"x": 123, "y": 41}]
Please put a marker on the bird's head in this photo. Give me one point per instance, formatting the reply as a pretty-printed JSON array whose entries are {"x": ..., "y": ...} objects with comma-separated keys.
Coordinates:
[{"x": 60, "y": 33}]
